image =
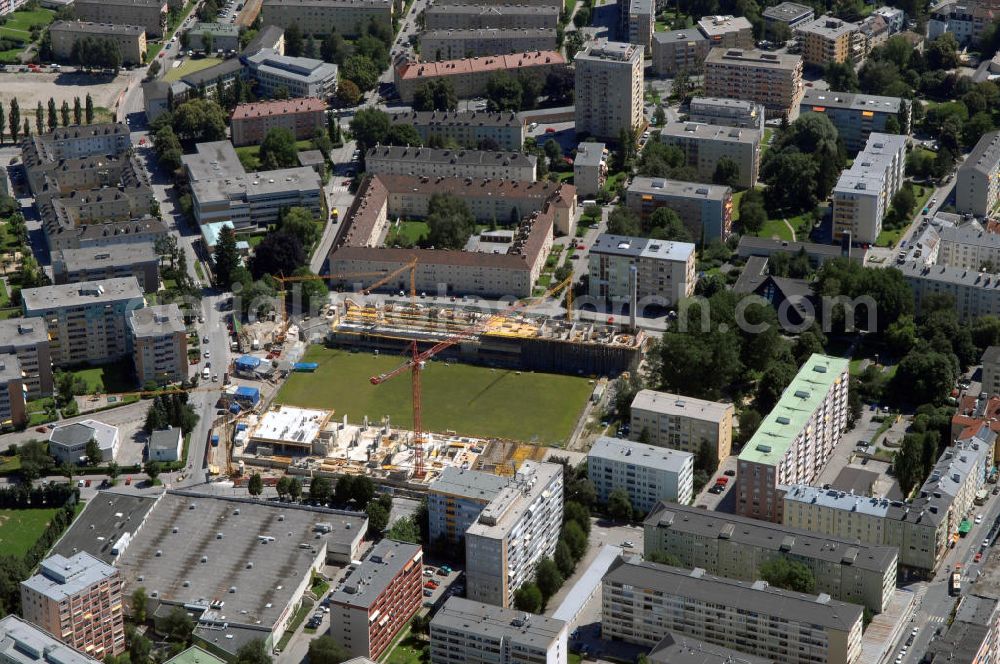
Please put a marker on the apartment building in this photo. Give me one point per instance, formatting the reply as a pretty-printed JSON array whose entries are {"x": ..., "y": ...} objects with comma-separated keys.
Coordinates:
[
  {"x": 85, "y": 321},
  {"x": 727, "y": 113},
  {"x": 456, "y": 499},
  {"x": 524, "y": 16},
  {"x": 791, "y": 14},
  {"x": 727, "y": 31},
  {"x": 642, "y": 602},
  {"x": 855, "y": 115},
  {"x": 639, "y": 22},
  {"x": 969, "y": 247},
  {"x": 150, "y": 15},
  {"x": 431, "y": 162},
  {"x": 159, "y": 344},
  {"x": 648, "y": 473},
  {"x": 378, "y": 599},
  {"x": 499, "y": 557},
  {"x": 23, "y": 643},
  {"x": 27, "y": 340},
  {"x": 130, "y": 39},
  {"x": 138, "y": 260},
  {"x": 704, "y": 145},
  {"x": 706, "y": 209},
  {"x": 609, "y": 89},
  {"x": 873, "y": 32},
  {"x": 771, "y": 79},
  {"x": 829, "y": 39},
  {"x": 975, "y": 293},
  {"x": 682, "y": 649},
  {"x": 214, "y": 37},
  {"x": 641, "y": 271},
  {"x": 79, "y": 601},
  {"x": 977, "y": 185},
  {"x": 303, "y": 117},
  {"x": 349, "y": 18},
  {"x": 470, "y": 76},
  {"x": 590, "y": 168},
  {"x": 795, "y": 439},
  {"x": 222, "y": 190},
  {"x": 470, "y": 129},
  {"x": 682, "y": 423},
  {"x": 296, "y": 77},
  {"x": 454, "y": 44},
  {"x": 971, "y": 636},
  {"x": 13, "y": 393},
  {"x": 991, "y": 371},
  {"x": 679, "y": 50},
  {"x": 467, "y": 632},
  {"x": 863, "y": 193},
  {"x": 894, "y": 17},
  {"x": 976, "y": 410},
  {"x": 736, "y": 547},
  {"x": 78, "y": 141}
]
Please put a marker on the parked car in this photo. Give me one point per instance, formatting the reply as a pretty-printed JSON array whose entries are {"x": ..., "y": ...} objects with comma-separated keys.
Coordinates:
[{"x": 730, "y": 473}]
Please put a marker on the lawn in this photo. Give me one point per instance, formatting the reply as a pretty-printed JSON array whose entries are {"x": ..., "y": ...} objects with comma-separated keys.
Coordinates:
[
  {"x": 116, "y": 377},
  {"x": 777, "y": 228},
  {"x": 766, "y": 143},
  {"x": 250, "y": 154},
  {"x": 18, "y": 24},
  {"x": 9, "y": 464},
  {"x": 20, "y": 528},
  {"x": 615, "y": 179},
  {"x": 190, "y": 66},
  {"x": 471, "y": 400},
  {"x": 413, "y": 231},
  {"x": 409, "y": 650}
]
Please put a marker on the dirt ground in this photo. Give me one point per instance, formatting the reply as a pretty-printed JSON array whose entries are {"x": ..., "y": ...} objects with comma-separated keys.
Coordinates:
[{"x": 29, "y": 89}]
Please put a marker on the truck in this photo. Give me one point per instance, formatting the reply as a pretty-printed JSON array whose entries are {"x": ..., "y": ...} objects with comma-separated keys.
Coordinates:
[{"x": 955, "y": 585}]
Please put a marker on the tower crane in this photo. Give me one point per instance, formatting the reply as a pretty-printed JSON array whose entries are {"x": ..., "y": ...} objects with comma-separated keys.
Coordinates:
[{"x": 418, "y": 359}]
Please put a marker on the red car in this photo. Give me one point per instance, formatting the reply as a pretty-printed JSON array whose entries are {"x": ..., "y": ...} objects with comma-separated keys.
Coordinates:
[
  {"x": 431, "y": 585},
  {"x": 40, "y": 429},
  {"x": 128, "y": 480},
  {"x": 550, "y": 130}
]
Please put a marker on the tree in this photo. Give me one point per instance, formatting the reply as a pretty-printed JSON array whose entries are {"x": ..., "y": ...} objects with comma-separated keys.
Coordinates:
[
  {"x": 753, "y": 216},
  {"x": 254, "y": 652},
  {"x": 88, "y": 109},
  {"x": 548, "y": 578},
  {"x": 282, "y": 486},
  {"x": 114, "y": 470},
  {"x": 435, "y": 96},
  {"x": 299, "y": 222},
  {"x": 449, "y": 222},
  {"x": 348, "y": 93},
  {"x": 77, "y": 111},
  {"x": 255, "y": 485},
  {"x": 378, "y": 518},
  {"x": 420, "y": 624},
  {"x": 841, "y": 77},
  {"x": 15, "y": 119},
  {"x": 789, "y": 574},
  {"x": 942, "y": 52},
  {"x": 320, "y": 490},
  {"x": 405, "y": 530},
  {"x": 564, "y": 558},
  {"x": 727, "y": 172},
  {"x": 278, "y": 149},
  {"x": 325, "y": 650},
  {"x": 528, "y": 598},
  {"x": 178, "y": 625},
  {"x": 53, "y": 115},
  {"x": 293, "y": 41},
  {"x": 361, "y": 70},
  {"x": 152, "y": 469},
  {"x": 226, "y": 258},
  {"x": 139, "y": 603},
  {"x": 207, "y": 41},
  {"x": 334, "y": 49},
  {"x": 199, "y": 120},
  {"x": 924, "y": 376},
  {"x": 139, "y": 649},
  {"x": 369, "y": 127},
  {"x": 620, "y": 505},
  {"x": 624, "y": 221},
  {"x": 504, "y": 92},
  {"x": 93, "y": 452},
  {"x": 280, "y": 252},
  {"x": 295, "y": 488}
]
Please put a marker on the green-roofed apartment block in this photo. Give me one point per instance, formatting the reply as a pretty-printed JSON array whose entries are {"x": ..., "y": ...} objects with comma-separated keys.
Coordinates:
[
  {"x": 195, "y": 655},
  {"x": 795, "y": 440}
]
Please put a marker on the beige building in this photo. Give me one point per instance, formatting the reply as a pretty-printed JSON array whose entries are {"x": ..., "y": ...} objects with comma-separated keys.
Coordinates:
[
  {"x": 771, "y": 79},
  {"x": 679, "y": 50},
  {"x": 470, "y": 76},
  {"x": 159, "y": 344},
  {"x": 590, "y": 168},
  {"x": 430, "y": 162},
  {"x": 640, "y": 22},
  {"x": 321, "y": 17},
  {"x": 706, "y": 209},
  {"x": 303, "y": 117},
  {"x": 863, "y": 194},
  {"x": 151, "y": 15},
  {"x": 977, "y": 184},
  {"x": 131, "y": 39},
  {"x": 727, "y": 31},
  {"x": 440, "y": 16},
  {"x": 138, "y": 260},
  {"x": 642, "y": 602},
  {"x": 969, "y": 246},
  {"x": 682, "y": 423},
  {"x": 453, "y": 44},
  {"x": 79, "y": 601},
  {"x": 469, "y": 129},
  {"x": 829, "y": 39},
  {"x": 704, "y": 145},
  {"x": 737, "y": 547},
  {"x": 13, "y": 393},
  {"x": 27, "y": 340},
  {"x": 467, "y": 632},
  {"x": 642, "y": 271},
  {"x": 609, "y": 89}
]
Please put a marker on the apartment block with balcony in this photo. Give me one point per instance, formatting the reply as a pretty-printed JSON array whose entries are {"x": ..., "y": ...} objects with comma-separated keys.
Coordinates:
[
  {"x": 640, "y": 22},
  {"x": 23, "y": 643},
  {"x": 431, "y": 162},
  {"x": 727, "y": 31},
  {"x": 130, "y": 39},
  {"x": 79, "y": 601},
  {"x": 706, "y": 209},
  {"x": 151, "y": 15},
  {"x": 86, "y": 322},
  {"x": 969, "y": 247},
  {"x": 590, "y": 168},
  {"x": 28, "y": 340},
  {"x": 855, "y": 115},
  {"x": 679, "y": 50},
  {"x": 736, "y": 547},
  {"x": 642, "y": 271},
  {"x": 771, "y": 79},
  {"x": 682, "y": 423},
  {"x": 453, "y": 44},
  {"x": 456, "y": 499},
  {"x": 648, "y": 473},
  {"x": 467, "y": 632},
  {"x": 371, "y": 606},
  {"x": 159, "y": 344},
  {"x": 469, "y": 76},
  {"x": 439, "y": 16},
  {"x": 349, "y": 18},
  {"x": 829, "y": 39},
  {"x": 609, "y": 89},
  {"x": 795, "y": 439},
  {"x": 705, "y": 145},
  {"x": 863, "y": 194},
  {"x": 724, "y": 112},
  {"x": 977, "y": 184},
  {"x": 642, "y": 602},
  {"x": 13, "y": 393},
  {"x": 303, "y": 117},
  {"x": 138, "y": 260},
  {"x": 499, "y": 555},
  {"x": 467, "y": 128}
]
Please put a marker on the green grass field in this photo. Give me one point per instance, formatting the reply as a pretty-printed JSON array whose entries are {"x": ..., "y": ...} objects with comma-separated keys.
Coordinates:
[
  {"x": 115, "y": 377},
  {"x": 471, "y": 400},
  {"x": 18, "y": 24},
  {"x": 410, "y": 650},
  {"x": 190, "y": 66},
  {"x": 414, "y": 231},
  {"x": 250, "y": 154},
  {"x": 20, "y": 528}
]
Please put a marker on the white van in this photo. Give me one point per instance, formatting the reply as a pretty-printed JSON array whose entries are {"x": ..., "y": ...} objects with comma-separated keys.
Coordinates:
[
  {"x": 205, "y": 373},
  {"x": 589, "y": 201}
]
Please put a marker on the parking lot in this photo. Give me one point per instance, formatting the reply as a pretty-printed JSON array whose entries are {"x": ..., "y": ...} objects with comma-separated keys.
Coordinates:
[{"x": 30, "y": 88}]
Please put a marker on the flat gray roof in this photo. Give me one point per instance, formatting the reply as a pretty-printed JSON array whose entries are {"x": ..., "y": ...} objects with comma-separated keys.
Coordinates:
[
  {"x": 771, "y": 536},
  {"x": 639, "y": 454},
  {"x": 508, "y": 506},
  {"x": 608, "y": 50},
  {"x": 986, "y": 155},
  {"x": 623, "y": 245},
  {"x": 384, "y": 562},
  {"x": 17, "y": 332},
  {"x": 165, "y": 439},
  {"x": 457, "y": 119},
  {"x": 678, "y": 648},
  {"x": 84, "y": 293},
  {"x": 472, "y": 484},
  {"x": 23, "y": 643},
  {"x": 820, "y": 611},
  {"x": 105, "y": 518},
  {"x": 828, "y": 27},
  {"x": 404, "y": 153},
  {"x": 679, "y": 189},
  {"x": 223, "y": 29},
  {"x": 90, "y": 27},
  {"x": 59, "y": 577},
  {"x": 157, "y": 320},
  {"x": 117, "y": 255},
  {"x": 678, "y": 36},
  {"x": 754, "y": 58},
  {"x": 720, "y": 25},
  {"x": 849, "y": 100},
  {"x": 10, "y": 368},
  {"x": 494, "y": 623},
  {"x": 787, "y": 12},
  {"x": 217, "y": 175},
  {"x": 709, "y": 132},
  {"x": 589, "y": 154},
  {"x": 667, "y": 403}
]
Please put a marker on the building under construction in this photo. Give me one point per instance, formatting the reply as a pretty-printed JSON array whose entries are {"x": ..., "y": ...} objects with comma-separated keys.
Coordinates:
[{"x": 517, "y": 341}]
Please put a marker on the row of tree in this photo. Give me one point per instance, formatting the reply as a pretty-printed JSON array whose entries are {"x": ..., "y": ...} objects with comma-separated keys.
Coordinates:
[{"x": 171, "y": 410}]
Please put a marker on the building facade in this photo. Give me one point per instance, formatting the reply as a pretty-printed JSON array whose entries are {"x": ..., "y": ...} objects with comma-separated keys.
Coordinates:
[
  {"x": 727, "y": 113},
  {"x": 454, "y": 44},
  {"x": 970, "y": 247},
  {"x": 131, "y": 39},
  {"x": 829, "y": 39},
  {"x": 609, "y": 89},
  {"x": 214, "y": 37},
  {"x": 23, "y": 643},
  {"x": 627, "y": 269},
  {"x": 349, "y": 18},
  {"x": 975, "y": 293},
  {"x": 150, "y": 15},
  {"x": 13, "y": 393},
  {"x": 303, "y": 117},
  {"x": 499, "y": 558},
  {"x": 705, "y": 145},
  {"x": 590, "y": 168},
  {"x": 470, "y": 76},
  {"x": 682, "y": 423},
  {"x": 727, "y": 31},
  {"x": 442, "y": 16},
  {"x": 159, "y": 344},
  {"x": 138, "y": 260},
  {"x": 795, "y": 439},
  {"x": 679, "y": 50},
  {"x": 991, "y": 371},
  {"x": 27, "y": 340},
  {"x": 863, "y": 194},
  {"x": 706, "y": 209},
  {"x": 470, "y": 129},
  {"x": 855, "y": 115},
  {"x": 431, "y": 162},
  {"x": 977, "y": 185},
  {"x": 79, "y": 601},
  {"x": 648, "y": 473},
  {"x": 295, "y": 77},
  {"x": 456, "y": 499},
  {"x": 771, "y": 79}
]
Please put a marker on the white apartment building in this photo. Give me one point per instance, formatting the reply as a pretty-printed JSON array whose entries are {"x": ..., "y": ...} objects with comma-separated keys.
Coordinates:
[
  {"x": 467, "y": 632},
  {"x": 642, "y": 602},
  {"x": 23, "y": 643},
  {"x": 518, "y": 528},
  {"x": 977, "y": 185},
  {"x": 159, "y": 344},
  {"x": 590, "y": 168},
  {"x": 298, "y": 77},
  {"x": 969, "y": 247},
  {"x": 863, "y": 194},
  {"x": 795, "y": 439},
  {"x": 727, "y": 31},
  {"x": 725, "y": 112},
  {"x": 648, "y": 473},
  {"x": 627, "y": 269},
  {"x": 682, "y": 423},
  {"x": 456, "y": 499},
  {"x": 975, "y": 293},
  {"x": 431, "y": 162},
  {"x": 609, "y": 89},
  {"x": 704, "y": 145}
]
